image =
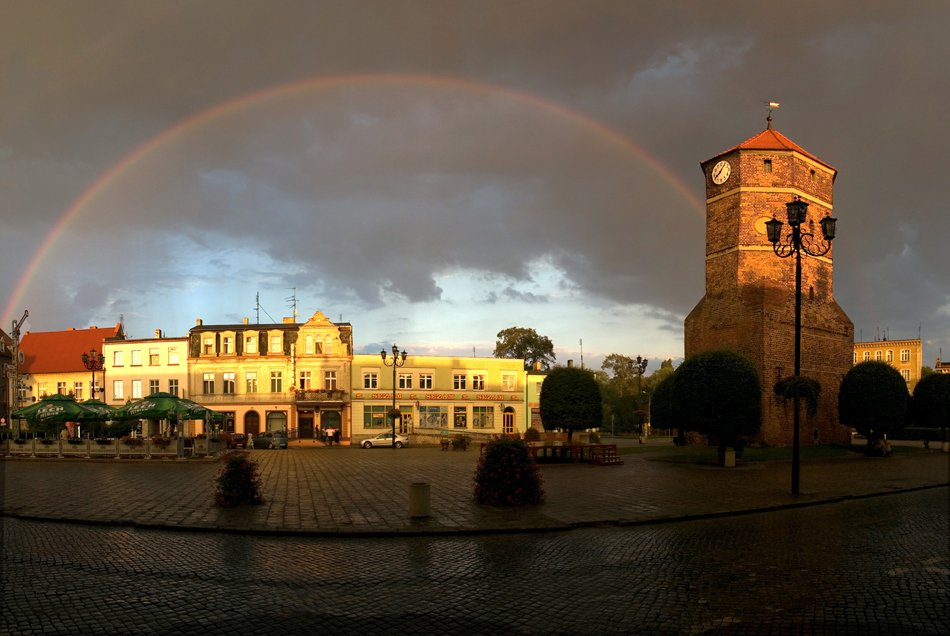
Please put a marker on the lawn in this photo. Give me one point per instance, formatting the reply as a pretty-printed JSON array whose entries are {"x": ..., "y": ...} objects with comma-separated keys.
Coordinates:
[{"x": 707, "y": 454}]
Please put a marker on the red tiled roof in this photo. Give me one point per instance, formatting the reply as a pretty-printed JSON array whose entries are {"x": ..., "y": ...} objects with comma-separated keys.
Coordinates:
[
  {"x": 61, "y": 351},
  {"x": 771, "y": 139}
]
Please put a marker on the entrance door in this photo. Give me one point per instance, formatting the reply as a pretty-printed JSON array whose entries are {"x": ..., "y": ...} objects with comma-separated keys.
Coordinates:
[
  {"x": 509, "y": 421},
  {"x": 306, "y": 426},
  {"x": 252, "y": 423},
  {"x": 330, "y": 419}
]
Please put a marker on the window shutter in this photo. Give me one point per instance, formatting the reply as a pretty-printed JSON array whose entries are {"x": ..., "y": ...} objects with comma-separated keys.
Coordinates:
[{"x": 262, "y": 343}]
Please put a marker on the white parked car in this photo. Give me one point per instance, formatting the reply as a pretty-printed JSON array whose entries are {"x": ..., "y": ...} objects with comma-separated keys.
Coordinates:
[{"x": 385, "y": 440}]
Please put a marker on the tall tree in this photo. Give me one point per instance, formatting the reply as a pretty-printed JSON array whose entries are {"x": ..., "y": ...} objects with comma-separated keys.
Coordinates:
[
  {"x": 571, "y": 400},
  {"x": 520, "y": 342},
  {"x": 931, "y": 405}
]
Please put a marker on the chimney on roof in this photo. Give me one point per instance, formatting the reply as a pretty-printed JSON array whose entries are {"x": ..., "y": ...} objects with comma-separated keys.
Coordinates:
[
  {"x": 199, "y": 322},
  {"x": 70, "y": 329},
  {"x": 245, "y": 321},
  {"x": 536, "y": 366},
  {"x": 570, "y": 364},
  {"x": 93, "y": 327},
  {"x": 158, "y": 333},
  {"x": 289, "y": 321}
]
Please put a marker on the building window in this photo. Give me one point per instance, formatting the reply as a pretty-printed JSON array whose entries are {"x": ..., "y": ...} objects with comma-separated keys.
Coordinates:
[
  {"x": 118, "y": 391},
  {"x": 117, "y": 358},
  {"x": 405, "y": 380},
  {"x": 277, "y": 381},
  {"x": 814, "y": 176},
  {"x": 906, "y": 374},
  {"x": 425, "y": 380},
  {"x": 251, "y": 379},
  {"x": 905, "y": 355},
  {"x": 208, "y": 387},
  {"x": 173, "y": 355},
  {"x": 483, "y": 416},
  {"x": 208, "y": 346},
  {"x": 229, "y": 344},
  {"x": 328, "y": 348},
  {"x": 458, "y": 382},
  {"x": 173, "y": 387},
  {"x": 507, "y": 383},
  {"x": 767, "y": 166},
  {"x": 77, "y": 390},
  {"x": 538, "y": 387},
  {"x": 41, "y": 389},
  {"x": 305, "y": 380},
  {"x": 878, "y": 356},
  {"x": 433, "y": 416},
  {"x": 250, "y": 345},
  {"x": 374, "y": 416},
  {"x": 136, "y": 389},
  {"x": 61, "y": 388},
  {"x": 276, "y": 347},
  {"x": 369, "y": 381},
  {"x": 478, "y": 383},
  {"x": 890, "y": 355},
  {"x": 329, "y": 380},
  {"x": 136, "y": 357},
  {"x": 228, "y": 382},
  {"x": 461, "y": 418},
  {"x": 153, "y": 387},
  {"x": 855, "y": 357},
  {"x": 309, "y": 345},
  {"x": 153, "y": 357},
  {"x": 867, "y": 356}
]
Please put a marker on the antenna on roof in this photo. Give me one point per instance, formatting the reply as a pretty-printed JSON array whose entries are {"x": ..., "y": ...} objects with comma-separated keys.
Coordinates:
[
  {"x": 771, "y": 105},
  {"x": 257, "y": 306},
  {"x": 292, "y": 300}
]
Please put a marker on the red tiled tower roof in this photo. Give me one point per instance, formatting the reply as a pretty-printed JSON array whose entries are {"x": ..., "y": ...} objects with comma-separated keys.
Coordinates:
[
  {"x": 61, "y": 351},
  {"x": 771, "y": 139}
]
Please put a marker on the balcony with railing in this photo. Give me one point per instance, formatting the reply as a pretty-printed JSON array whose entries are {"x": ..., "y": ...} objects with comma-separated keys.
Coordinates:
[{"x": 320, "y": 395}]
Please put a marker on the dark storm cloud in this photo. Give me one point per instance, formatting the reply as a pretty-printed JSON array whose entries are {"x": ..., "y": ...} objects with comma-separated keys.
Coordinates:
[{"x": 379, "y": 192}]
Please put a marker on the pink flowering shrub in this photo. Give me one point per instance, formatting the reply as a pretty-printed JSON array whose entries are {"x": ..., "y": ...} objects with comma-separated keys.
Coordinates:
[
  {"x": 238, "y": 483},
  {"x": 507, "y": 475}
]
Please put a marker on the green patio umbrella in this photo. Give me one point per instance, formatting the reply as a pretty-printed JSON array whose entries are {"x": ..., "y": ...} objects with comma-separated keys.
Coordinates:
[
  {"x": 57, "y": 408},
  {"x": 163, "y": 406},
  {"x": 104, "y": 410}
]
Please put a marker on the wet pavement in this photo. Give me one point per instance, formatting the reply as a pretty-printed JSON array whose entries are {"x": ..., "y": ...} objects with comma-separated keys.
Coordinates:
[
  {"x": 343, "y": 490},
  {"x": 877, "y": 565}
]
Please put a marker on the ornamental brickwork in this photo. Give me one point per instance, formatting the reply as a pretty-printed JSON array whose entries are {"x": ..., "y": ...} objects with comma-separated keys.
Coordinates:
[{"x": 749, "y": 304}]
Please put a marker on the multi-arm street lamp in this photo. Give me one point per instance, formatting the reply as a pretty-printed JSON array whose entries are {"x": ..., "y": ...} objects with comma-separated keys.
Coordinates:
[
  {"x": 398, "y": 361},
  {"x": 94, "y": 362},
  {"x": 796, "y": 243}
]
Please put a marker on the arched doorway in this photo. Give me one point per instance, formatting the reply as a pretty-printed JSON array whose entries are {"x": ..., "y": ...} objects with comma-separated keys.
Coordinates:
[
  {"x": 252, "y": 423},
  {"x": 277, "y": 421},
  {"x": 509, "y": 421}
]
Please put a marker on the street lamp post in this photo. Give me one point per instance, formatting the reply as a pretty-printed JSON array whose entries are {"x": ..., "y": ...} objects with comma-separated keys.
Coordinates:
[
  {"x": 398, "y": 361},
  {"x": 639, "y": 366},
  {"x": 796, "y": 243},
  {"x": 94, "y": 362}
]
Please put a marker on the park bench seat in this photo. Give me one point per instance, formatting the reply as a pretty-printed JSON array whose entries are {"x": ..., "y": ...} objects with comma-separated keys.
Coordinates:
[{"x": 605, "y": 455}]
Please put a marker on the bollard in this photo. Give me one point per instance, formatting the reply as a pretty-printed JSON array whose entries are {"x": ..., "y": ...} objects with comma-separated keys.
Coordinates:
[
  {"x": 945, "y": 447},
  {"x": 730, "y": 459},
  {"x": 418, "y": 500}
]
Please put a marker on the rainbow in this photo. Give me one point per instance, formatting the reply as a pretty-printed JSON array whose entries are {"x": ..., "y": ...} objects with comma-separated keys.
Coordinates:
[{"x": 156, "y": 143}]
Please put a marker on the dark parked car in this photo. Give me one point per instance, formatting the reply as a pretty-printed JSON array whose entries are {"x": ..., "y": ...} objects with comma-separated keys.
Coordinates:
[{"x": 270, "y": 439}]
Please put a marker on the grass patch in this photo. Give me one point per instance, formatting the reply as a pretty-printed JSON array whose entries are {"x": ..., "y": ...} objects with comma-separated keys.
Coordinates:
[{"x": 700, "y": 454}]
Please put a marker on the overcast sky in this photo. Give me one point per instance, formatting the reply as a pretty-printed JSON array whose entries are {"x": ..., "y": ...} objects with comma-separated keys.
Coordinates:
[{"x": 435, "y": 172}]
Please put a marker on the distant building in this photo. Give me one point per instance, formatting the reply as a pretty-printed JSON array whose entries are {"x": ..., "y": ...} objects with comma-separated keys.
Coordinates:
[
  {"x": 904, "y": 355},
  {"x": 533, "y": 382},
  {"x": 52, "y": 362},
  {"x": 942, "y": 367},
  {"x": 6, "y": 377}
]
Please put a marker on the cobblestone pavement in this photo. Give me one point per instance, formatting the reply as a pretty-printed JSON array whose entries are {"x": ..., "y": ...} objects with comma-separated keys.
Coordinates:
[
  {"x": 870, "y": 566},
  {"x": 352, "y": 490}
]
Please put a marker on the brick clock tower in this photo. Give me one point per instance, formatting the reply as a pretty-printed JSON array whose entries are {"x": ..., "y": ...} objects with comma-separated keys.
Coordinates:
[{"x": 749, "y": 304}]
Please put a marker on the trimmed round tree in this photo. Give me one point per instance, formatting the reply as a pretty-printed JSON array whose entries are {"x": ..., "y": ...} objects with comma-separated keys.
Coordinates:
[
  {"x": 931, "y": 404},
  {"x": 717, "y": 393},
  {"x": 873, "y": 399},
  {"x": 661, "y": 405},
  {"x": 571, "y": 400}
]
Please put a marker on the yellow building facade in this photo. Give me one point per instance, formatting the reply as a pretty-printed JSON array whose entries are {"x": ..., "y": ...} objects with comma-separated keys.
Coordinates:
[
  {"x": 285, "y": 376},
  {"x": 904, "y": 355},
  {"x": 438, "y": 396}
]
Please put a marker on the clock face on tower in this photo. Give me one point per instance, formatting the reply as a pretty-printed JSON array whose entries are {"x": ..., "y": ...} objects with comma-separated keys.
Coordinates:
[{"x": 720, "y": 172}]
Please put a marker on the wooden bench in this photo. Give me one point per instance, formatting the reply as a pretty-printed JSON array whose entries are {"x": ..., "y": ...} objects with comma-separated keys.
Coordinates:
[{"x": 605, "y": 455}]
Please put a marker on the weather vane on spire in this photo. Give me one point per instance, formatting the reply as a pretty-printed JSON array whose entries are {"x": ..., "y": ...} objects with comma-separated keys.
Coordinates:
[{"x": 769, "y": 118}]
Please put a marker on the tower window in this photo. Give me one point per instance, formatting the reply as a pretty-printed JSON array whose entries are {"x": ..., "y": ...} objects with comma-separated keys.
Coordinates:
[
  {"x": 767, "y": 166},
  {"x": 814, "y": 177}
]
